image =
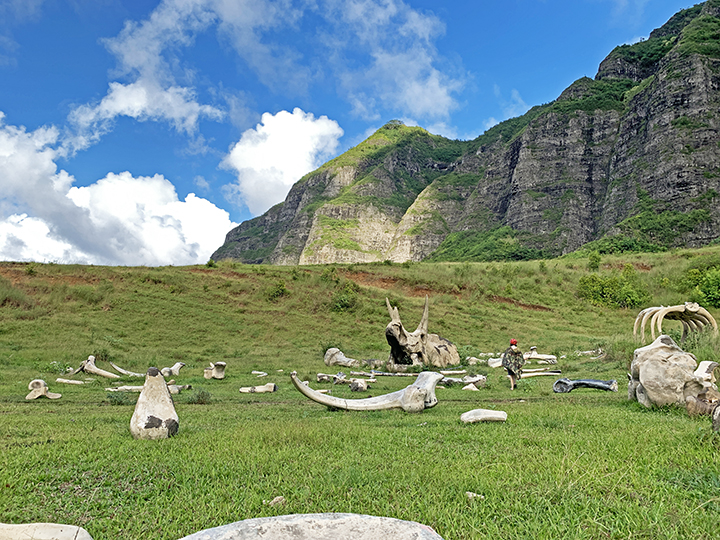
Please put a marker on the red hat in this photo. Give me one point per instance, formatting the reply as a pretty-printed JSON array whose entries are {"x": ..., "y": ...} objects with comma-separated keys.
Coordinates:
[{"x": 513, "y": 341}]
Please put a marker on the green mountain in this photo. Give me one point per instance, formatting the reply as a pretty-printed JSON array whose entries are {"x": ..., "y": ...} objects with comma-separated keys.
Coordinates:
[{"x": 629, "y": 160}]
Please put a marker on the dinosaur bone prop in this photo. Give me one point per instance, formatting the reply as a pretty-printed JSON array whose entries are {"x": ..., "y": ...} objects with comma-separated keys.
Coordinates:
[
  {"x": 173, "y": 388},
  {"x": 173, "y": 371},
  {"x": 88, "y": 366},
  {"x": 526, "y": 373},
  {"x": 483, "y": 415},
  {"x": 154, "y": 416},
  {"x": 662, "y": 374},
  {"x": 417, "y": 348},
  {"x": 215, "y": 371},
  {"x": 269, "y": 387},
  {"x": 69, "y": 381},
  {"x": 414, "y": 398},
  {"x": 38, "y": 388},
  {"x": 335, "y": 357},
  {"x": 43, "y": 531},
  {"x": 125, "y": 371},
  {"x": 690, "y": 314},
  {"x": 327, "y": 526},
  {"x": 535, "y": 356},
  {"x": 565, "y": 386}
]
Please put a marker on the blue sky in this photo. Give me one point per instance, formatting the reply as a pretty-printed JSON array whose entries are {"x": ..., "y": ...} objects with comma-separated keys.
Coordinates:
[{"x": 140, "y": 132}]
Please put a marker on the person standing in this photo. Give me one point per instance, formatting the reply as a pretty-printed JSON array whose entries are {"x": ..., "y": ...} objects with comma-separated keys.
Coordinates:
[{"x": 513, "y": 361}]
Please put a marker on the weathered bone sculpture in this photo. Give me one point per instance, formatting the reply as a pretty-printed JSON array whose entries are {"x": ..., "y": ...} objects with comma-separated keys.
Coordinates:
[
  {"x": 526, "y": 374},
  {"x": 39, "y": 388},
  {"x": 69, "y": 381},
  {"x": 319, "y": 527},
  {"x": 662, "y": 374},
  {"x": 359, "y": 385},
  {"x": 88, "y": 366},
  {"x": 535, "y": 356},
  {"x": 125, "y": 371},
  {"x": 172, "y": 371},
  {"x": 173, "y": 388},
  {"x": 418, "y": 348},
  {"x": 215, "y": 371},
  {"x": 690, "y": 314},
  {"x": 483, "y": 415},
  {"x": 154, "y": 416},
  {"x": 716, "y": 419},
  {"x": 335, "y": 357},
  {"x": 565, "y": 386},
  {"x": 414, "y": 398},
  {"x": 43, "y": 531},
  {"x": 269, "y": 387}
]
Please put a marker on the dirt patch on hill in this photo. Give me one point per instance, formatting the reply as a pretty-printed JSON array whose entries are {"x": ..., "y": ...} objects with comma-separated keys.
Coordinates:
[
  {"x": 533, "y": 307},
  {"x": 17, "y": 275},
  {"x": 383, "y": 282}
]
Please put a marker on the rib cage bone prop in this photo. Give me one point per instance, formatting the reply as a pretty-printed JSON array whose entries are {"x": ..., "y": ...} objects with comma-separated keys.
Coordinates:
[
  {"x": 414, "y": 398},
  {"x": 690, "y": 314},
  {"x": 417, "y": 348}
]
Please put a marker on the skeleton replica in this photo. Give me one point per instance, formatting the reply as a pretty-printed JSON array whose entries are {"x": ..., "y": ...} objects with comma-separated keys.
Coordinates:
[
  {"x": 215, "y": 371},
  {"x": 663, "y": 374},
  {"x": 418, "y": 348},
  {"x": 690, "y": 314},
  {"x": 414, "y": 398},
  {"x": 39, "y": 388},
  {"x": 154, "y": 416},
  {"x": 565, "y": 386}
]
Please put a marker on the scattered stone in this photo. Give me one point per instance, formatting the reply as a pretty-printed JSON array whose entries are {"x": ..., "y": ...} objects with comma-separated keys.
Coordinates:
[
  {"x": 39, "y": 388},
  {"x": 277, "y": 501},
  {"x": 259, "y": 373},
  {"x": 494, "y": 362},
  {"x": 471, "y": 360},
  {"x": 335, "y": 357},
  {"x": 472, "y": 496},
  {"x": 471, "y": 386},
  {"x": 328, "y": 526},
  {"x": 359, "y": 385},
  {"x": 475, "y": 379},
  {"x": 483, "y": 415},
  {"x": 43, "y": 531},
  {"x": 154, "y": 416},
  {"x": 173, "y": 371}
]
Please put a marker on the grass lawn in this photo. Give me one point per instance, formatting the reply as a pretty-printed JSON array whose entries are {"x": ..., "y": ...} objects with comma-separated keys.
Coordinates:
[{"x": 588, "y": 464}]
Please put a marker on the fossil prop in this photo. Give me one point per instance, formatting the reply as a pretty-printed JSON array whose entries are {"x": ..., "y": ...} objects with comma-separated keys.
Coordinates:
[
  {"x": 88, "y": 366},
  {"x": 269, "y": 387},
  {"x": 690, "y": 314},
  {"x": 526, "y": 374},
  {"x": 154, "y": 416},
  {"x": 69, "y": 381},
  {"x": 414, "y": 398},
  {"x": 565, "y": 386},
  {"x": 173, "y": 388},
  {"x": 173, "y": 371},
  {"x": 538, "y": 358},
  {"x": 215, "y": 371},
  {"x": 125, "y": 371},
  {"x": 483, "y": 415},
  {"x": 417, "y": 348},
  {"x": 38, "y": 388}
]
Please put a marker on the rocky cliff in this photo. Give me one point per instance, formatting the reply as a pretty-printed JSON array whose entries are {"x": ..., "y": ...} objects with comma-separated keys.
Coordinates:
[{"x": 627, "y": 160}]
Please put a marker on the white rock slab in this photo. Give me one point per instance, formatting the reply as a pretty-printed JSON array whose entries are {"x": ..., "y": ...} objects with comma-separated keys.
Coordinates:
[
  {"x": 483, "y": 415},
  {"x": 43, "y": 531},
  {"x": 328, "y": 526}
]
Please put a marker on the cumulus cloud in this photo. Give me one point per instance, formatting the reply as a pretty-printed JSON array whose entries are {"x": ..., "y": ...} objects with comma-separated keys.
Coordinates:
[
  {"x": 119, "y": 219},
  {"x": 274, "y": 155}
]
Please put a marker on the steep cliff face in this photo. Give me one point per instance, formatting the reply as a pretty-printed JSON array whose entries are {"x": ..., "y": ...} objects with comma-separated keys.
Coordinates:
[{"x": 633, "y": 153}]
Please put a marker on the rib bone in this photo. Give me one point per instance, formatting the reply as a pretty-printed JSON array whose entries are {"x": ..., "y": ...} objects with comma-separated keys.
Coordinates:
[
  {"x": 88, "y": 366},
  {"x": 414, "y": 398},
  {"x": 125, "y": 371}
]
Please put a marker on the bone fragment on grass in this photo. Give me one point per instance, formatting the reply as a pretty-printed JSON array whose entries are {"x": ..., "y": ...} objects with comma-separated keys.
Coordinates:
[
  {"x": 39, "y": 388},
  {"x": 68, "y": 381},
  {"x": 125, "y": 371},
  {"x": 483, "y": 415},
  {"x": 173, "y": 371},
  {"x": 88, "y": 366},
  {"x": 262, "y": 389},
  {"x": 215, "y": 371}
]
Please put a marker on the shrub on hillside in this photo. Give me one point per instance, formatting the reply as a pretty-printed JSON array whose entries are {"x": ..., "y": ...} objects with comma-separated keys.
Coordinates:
[
  {"x": 622, "y": 290},
  {"x": 710, "y": 288}
]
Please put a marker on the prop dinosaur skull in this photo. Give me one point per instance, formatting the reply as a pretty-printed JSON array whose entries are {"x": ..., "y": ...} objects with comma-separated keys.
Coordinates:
[{"x": 417, "y": 348}]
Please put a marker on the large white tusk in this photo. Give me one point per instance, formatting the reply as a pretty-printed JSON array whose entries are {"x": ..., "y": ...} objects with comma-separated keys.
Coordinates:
[
  {"x": 414, "y": 398},
  {"x": 125, "y": 371}
]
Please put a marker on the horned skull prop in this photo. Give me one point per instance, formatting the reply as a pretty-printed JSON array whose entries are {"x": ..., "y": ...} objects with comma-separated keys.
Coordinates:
[
  {"x": 690, "y": 314},
  {"x": 418, "y": 348},
  {"x": 414, "y": 398}
]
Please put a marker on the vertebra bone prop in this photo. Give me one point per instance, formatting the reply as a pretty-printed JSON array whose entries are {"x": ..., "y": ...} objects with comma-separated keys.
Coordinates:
[
  {"x": 319, "y": 527},
  {"x": 125, "y": 371},
  {"x": 414, "y": 398},
  {"x": 662, "y": 374},
  {"x": 417, "y": 348},
  {"x": 483, "y": 415},
  {"x": 690, "y": 314},
  {"x": 215, "y": 371},
  {"x": 43, "y": 531},
  {"x": 269, "y": 387},
  {"x": 565, "y": 386},
  {"x": 173, "y": 371},
  {"x": 154, "y": 416},
  {"x": 38, "y": 388},
  {"x": 540, "y": 358},
  {"x": 88, "y": 366}
]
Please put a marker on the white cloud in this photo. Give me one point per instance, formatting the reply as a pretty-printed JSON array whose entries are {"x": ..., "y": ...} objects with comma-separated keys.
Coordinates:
[
  {"x": 117, "y": 220},
  {"x": 277, "y": 153}
]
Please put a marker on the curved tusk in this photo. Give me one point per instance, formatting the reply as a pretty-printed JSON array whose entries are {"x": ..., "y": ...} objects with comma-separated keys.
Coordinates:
[
  {"x": 125, "y": 371},
  {"x": 414, "y": 398}
]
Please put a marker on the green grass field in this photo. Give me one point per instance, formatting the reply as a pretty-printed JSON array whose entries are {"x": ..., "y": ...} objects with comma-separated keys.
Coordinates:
[{"x": 589, "y": 464}]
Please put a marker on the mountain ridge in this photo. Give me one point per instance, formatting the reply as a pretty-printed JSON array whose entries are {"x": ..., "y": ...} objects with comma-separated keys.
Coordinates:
[{"x": 630, "y": 159}]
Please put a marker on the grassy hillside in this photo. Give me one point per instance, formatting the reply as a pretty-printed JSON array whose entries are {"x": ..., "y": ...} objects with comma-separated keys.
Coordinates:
[{"x": 583, "y": 465}]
